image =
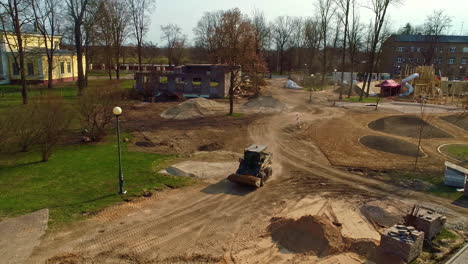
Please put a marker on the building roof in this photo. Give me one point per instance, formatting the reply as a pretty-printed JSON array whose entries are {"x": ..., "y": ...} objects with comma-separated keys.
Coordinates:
[
  {"x": 428, "y": 38},
  {"x": 388, "y": 84},
  {"x": 256, "y": 148}
]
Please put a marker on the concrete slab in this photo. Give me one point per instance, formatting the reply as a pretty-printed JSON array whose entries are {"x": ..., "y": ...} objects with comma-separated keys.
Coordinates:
[
  {"x": 19, "y": 236},
  {"x": 203, "y": 170}
]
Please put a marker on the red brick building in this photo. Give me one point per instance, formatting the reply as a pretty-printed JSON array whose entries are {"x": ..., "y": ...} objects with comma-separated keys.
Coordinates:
[{"x": 448, "y": 54}]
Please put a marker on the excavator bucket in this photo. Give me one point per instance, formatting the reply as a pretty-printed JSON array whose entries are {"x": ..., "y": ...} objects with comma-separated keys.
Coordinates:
[{"x": 246, "y": 179}]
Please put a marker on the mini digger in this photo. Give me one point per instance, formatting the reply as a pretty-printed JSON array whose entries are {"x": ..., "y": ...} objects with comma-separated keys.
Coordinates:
[{"x": 255, "y": 168}]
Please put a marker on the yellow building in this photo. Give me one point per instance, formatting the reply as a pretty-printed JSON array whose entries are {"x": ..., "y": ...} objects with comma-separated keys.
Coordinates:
[{"x": 36, "y": 65}]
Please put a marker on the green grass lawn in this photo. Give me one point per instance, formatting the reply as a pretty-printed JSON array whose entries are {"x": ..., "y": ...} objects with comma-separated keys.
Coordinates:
[
  {"x": 438, "y": 187},
  {"x": 10, "y": 95},
  {"x": 102, "y": 73},
  {"x": 355, "y": 99},
  {"x": 457, "y": 151},
  {"x": 77, "y": 180}
]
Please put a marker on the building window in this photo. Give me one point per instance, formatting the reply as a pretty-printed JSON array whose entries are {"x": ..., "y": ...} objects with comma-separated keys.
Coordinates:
[
  {"x": 464, "y": 61},
  {"x": 410, "y": 60},
  {"x": 465, "y": 50},
  {"x": 69, "y": 67},
  {"x": 421, "y": 60},
  {"x": 418, "y": 49},
  {"x": 411, "y": 49},
  {"x": 451, "y": 61},
  {"x": 399, "y": 60},
  {"x": 15, "y": 69},
  {"x": 441, "y": 49},
  {"x": 400, "y": 49},
  {"x": 62, "y": 67},
  {"x": 453, "y": 49},
  {"x": 30, "y": 69}
]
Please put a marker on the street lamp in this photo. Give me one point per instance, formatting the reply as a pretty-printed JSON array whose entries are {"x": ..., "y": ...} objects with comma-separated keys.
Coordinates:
[{"x": 117, "y": 112}]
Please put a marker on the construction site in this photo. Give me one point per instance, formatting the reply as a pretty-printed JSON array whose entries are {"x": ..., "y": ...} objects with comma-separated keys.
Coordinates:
[{"x": 333, "y": 193}]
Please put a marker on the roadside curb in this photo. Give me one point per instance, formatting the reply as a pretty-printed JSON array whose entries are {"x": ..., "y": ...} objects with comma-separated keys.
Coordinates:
[{"x": 461, "y": 251}]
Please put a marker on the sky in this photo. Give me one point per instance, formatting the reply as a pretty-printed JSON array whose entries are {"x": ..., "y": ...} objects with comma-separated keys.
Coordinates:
[{"x": 186, "y": 13}]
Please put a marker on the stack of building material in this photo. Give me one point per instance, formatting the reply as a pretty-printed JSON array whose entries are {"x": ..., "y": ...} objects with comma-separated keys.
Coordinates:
[
  {"x": 428, "y": 221},
  {"x": 403, "y": 241}
]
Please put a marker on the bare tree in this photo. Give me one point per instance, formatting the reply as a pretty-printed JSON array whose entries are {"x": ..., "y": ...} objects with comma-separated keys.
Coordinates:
[
  {"x": 116, "y": 27},
  {"x": 313, "y": 39},
  {"x": 355, "y": 35},
  {"x": 435, "y": 25},
  {"x": 326, "y": 12},
  {"x": 13, "y": 17},
  {"x": 262, "y": 31},
  {"x": 172, "y": 34},
  {"x": 228, "y": 36},
  {"x": 139, "y": 10},
  {"x": 379, "y": 8},
  {"x": 47, "y": 17},
  {"x": 281, "y": 31},
  {"x": 344, "y": 6},
  {"x": 76, "y": 10}
]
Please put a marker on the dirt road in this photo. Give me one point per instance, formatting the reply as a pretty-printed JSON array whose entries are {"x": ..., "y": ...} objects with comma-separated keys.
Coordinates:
[{"x": 223, "y": 222}]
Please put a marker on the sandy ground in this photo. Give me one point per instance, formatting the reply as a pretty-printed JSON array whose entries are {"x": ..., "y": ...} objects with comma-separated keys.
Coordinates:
[{"x": 227, "y": 223}]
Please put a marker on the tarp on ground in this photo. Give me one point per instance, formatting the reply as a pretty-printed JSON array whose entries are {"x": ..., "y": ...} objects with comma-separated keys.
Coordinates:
[{"x": 290, "y": 84}]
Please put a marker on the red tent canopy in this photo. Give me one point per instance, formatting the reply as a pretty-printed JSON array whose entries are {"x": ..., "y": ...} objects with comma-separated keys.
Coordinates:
[{"x": 388, "y": 84}]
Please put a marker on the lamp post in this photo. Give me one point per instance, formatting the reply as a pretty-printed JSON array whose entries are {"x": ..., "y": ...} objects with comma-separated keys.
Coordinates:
[{"x": 117, "y": 112}]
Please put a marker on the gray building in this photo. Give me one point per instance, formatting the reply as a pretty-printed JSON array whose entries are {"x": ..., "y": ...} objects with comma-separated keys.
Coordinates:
[
  {"x": 189, "y": 81},
  {"x": 455, "y": 176}
]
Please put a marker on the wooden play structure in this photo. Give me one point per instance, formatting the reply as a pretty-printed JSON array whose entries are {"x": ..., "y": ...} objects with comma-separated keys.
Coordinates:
[{"x": 436, "y": 90}]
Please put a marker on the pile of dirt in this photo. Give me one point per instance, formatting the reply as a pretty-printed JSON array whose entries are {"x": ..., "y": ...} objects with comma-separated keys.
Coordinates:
[
  {"x": 308, "y": 234},
  {"x": 193, "y": 108},
  {"x": 407, "y": 126},
  {"x": 266, "y": 104},
  {"x": 391, "y": 145},
  {"x": 211, "y": 146},
  {"x": 380, "y": 216},
  {"x": 459, "y": 120}
]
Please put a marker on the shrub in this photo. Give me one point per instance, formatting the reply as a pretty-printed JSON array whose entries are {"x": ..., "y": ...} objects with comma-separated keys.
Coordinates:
[
  {"x": 53, "y": 119},
  {"x": 23, "y": 125},
  {"x": 95, "y": 107}
]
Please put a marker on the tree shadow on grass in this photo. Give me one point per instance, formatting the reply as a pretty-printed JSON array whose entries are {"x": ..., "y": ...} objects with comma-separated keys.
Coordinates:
[
  {"x": 226, "y": 187},
  {"x": 85, "y": 202}
]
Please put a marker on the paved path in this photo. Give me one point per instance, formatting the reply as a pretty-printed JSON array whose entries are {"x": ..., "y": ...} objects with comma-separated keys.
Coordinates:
[
  {"x": 20, "y": 235},
  {"x": 461, "y": 257}
]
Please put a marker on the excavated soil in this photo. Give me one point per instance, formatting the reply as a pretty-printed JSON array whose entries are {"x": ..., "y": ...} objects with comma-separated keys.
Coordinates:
[
  {"x": 308, "y": 234},
  {"x": 459, "y": 120},
  {"x": 266, "y": 104},
  {"x": 391, "y": 145},
  {"x": 193, "y": 108},
  {"x": 407, "y": 126}
]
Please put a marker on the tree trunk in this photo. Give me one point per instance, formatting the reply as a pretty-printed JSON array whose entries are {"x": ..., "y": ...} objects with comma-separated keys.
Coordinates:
[
  {"x": 50, "y": 68},
  {"x": 363, "y": 87},
  {"x": 231, "y": 92},
  {"x": 139, "y": 56},
  {"x": 344, "y": 52},
  {"x": 79, "y": 56},
  {"x": 281, "y": 61}
]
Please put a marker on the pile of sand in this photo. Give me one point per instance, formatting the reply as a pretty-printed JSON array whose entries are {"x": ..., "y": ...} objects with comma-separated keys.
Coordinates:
[
  {"x": 265, "y": 104},
  {"x": 308, "y": 234},
  {"x": 391, "y": 145},
  {"x": 193, "y": 108}
]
